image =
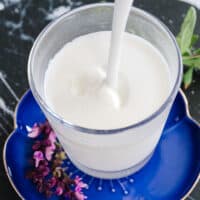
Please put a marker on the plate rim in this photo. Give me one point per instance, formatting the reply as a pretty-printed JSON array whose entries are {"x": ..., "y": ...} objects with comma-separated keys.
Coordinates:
[
  {"x": 188, "y": 115},
  {"x": 6, "y": 142}
]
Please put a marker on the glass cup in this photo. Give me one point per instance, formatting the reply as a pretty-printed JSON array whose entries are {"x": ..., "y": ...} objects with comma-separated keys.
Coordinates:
[{"x": 111, "y": 153}]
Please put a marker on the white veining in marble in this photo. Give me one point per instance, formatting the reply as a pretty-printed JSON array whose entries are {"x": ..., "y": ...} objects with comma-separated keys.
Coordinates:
[
  {"x": 5, "y": 108},
  {"x": 2, "y": 6},
  {"x": 10, "y": 2},
  {"x": 13, "y": 25},
  {"x": 193, "y": 2},
  {"x": 4, "y": 81},
  {"x": 26, "y": 37},
  {"x": 58, "y": 12},
  {"x": 3, "y": 130}
]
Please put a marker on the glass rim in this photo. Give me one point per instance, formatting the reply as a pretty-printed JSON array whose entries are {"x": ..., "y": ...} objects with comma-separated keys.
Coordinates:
[{"x": 42, "y": 101}]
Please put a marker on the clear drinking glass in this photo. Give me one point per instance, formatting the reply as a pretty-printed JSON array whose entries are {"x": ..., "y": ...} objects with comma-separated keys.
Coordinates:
[{"x": 111, "y": 153}]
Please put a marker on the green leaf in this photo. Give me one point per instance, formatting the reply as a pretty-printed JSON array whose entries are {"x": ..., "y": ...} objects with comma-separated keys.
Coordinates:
[
  {"x": 196, "y": 52},
  {"x": 184, "y": 38},
  {"x": 186, "y": 54},
  {"x": 187, "y": 78},
  {"x": 194, "y": 40},
  {"x": 192, "y": 62}
]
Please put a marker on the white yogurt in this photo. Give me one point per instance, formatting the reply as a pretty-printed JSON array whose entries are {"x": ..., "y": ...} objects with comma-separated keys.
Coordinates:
[{"x": 74, "y": 82}]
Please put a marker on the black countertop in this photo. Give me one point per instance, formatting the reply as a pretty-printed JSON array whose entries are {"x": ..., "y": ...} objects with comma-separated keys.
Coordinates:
[{"x": 20, "y": 23}]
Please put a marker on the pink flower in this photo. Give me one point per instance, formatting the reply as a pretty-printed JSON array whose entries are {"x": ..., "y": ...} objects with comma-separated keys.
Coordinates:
[
  {"x": 52, "y": 137},
  {"x": 80, "y": 196},
  {"x": 36, "y": 130},
  {"x": 78, "y": 189},
  {"x": 47, "y": 128},
  {"x": 38, "y": 156},
  {"x": 79, "y": 184},
  {"x": 59, "y": 191},
  {"x": 49, "y": 151}
]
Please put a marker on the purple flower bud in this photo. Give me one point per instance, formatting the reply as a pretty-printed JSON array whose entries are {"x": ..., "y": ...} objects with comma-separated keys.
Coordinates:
[
  {"x": 60, "y": 182},
  {"x": 45, "y": 171},
  {"x": 47, "y": 128},
  {"x": 37, "y": 179},
  {"x": 44, "y": 163},
  {"x": 59, "y": 191},
  {"x": 79, "y": 184},
  {"x": 46, "y": 142},
  {"x": 80, "y": 196},
  {"x": 38, "y": 156},
  {"x": 37, "y": 145},
  {"x": 52, "y": 182},
  {"x": 48, "y": 153}
]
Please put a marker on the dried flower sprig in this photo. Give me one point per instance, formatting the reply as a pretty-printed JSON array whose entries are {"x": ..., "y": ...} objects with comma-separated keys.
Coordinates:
[{"x": 47, "y": 172}]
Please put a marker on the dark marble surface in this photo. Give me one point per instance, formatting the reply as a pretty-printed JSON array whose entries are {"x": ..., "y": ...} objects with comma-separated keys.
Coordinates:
[{"x": 20, "y": 23}]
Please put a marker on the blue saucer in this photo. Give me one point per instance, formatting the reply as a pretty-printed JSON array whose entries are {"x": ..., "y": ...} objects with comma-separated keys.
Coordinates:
[{"x": 170, "y": 174}]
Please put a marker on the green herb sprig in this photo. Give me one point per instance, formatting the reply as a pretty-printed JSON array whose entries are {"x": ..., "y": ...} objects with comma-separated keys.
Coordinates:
[{"x": 186, "y": 40}]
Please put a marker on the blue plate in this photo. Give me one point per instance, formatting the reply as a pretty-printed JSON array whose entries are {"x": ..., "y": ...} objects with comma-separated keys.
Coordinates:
[{"x": 169, "y": 175}]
